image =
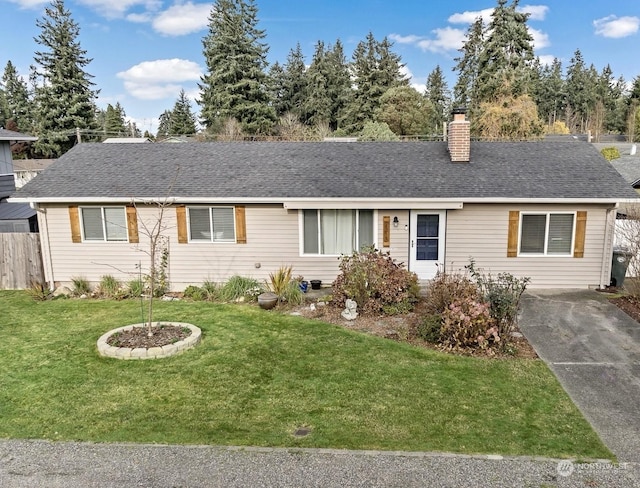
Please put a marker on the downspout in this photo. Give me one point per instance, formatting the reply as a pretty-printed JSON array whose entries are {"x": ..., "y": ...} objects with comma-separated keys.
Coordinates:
[
  {"x": 607, "y": 254},
  {"x": 45, "y": 244}
]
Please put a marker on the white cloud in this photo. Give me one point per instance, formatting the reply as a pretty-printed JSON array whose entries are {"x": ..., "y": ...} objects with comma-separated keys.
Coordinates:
[
  {"x": 139, "y": 18},
  {"x": 118, "y": 8},
  {"x": 410, "y": 39},
  {"x": 155, "y": 80},
  {"x": 469, "y": 17},
  {"x": 183, "y": 19},
  {"x": 447, "y": 39},
  {"x": 616, "y": 27},
  {"x": 536, "y": 12},
  {"x": 540, "y": 39},
  {"x": 546, "y": 59},
  {"x": 27, "y": 4}
]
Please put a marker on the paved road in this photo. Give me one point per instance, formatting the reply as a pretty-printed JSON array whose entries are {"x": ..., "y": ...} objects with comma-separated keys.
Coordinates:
[
  {"x": 594, "y": 350},
  {"x": 41, "y": 464}
]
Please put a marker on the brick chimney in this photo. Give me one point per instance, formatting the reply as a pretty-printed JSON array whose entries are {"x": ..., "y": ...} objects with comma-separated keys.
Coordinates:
[{"x": 459, "y": 137}]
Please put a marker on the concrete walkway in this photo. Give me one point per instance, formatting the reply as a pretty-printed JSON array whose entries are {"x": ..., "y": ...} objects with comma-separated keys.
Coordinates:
[{"x": 594, "y": 350}]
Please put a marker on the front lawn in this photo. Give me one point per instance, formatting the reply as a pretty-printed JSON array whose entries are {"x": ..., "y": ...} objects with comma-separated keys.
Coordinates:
[{"x": 258, "y": 375}]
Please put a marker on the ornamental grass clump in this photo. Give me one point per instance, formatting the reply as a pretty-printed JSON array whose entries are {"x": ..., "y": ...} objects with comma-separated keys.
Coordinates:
[{"x": 376, "y": 283}]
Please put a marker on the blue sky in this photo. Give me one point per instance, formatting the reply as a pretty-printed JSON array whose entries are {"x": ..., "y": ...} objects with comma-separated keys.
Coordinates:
[{"x": 145, "y": 51}]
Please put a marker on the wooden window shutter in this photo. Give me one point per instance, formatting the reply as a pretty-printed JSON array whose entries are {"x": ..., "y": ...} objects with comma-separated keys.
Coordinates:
[
  {"x": 512, "y": 240},
  {"x": 74, "y": 220},
  {"x": 181, "y": 217},
  {"x": 581, "y": 230},
  {"x": 386, "y": 231},
  {"x": 241, "y": 225},
  {"x": 132, "y": 224}
]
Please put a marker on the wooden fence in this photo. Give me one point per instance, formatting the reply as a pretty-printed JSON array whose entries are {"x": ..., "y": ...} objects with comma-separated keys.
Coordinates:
[{"x": 20, "y": 260}]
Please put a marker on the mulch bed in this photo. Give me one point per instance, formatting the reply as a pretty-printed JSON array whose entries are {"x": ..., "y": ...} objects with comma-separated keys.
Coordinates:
[
  {"x": 138, "y": 337},
  {"x": 629, "y": 305}
]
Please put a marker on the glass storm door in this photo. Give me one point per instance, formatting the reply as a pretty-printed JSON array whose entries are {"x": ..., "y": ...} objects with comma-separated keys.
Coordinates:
[{"x": 426, "y": 243}]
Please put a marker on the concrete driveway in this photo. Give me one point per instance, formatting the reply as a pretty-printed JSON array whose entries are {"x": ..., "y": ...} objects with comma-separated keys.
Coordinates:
[{"x": 594, "y": 350}]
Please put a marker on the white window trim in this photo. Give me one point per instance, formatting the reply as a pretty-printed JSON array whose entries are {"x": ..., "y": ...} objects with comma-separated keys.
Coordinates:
[
  {"x": 320, "y": 255},
  {"x": 211, "y": 240},
  {"x": 104, "y": 227},
  {"x": 546, "y": 235}
]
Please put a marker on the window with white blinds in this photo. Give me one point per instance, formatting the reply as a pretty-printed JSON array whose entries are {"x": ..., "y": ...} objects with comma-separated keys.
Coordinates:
[
  {"x": 549, "y": 234},
  {"x": 211, "y": 224},
  {"x": 104, "y": 224}
]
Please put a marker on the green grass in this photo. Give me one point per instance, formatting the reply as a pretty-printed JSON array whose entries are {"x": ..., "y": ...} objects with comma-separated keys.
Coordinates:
[{"x": 258, "y": 375}]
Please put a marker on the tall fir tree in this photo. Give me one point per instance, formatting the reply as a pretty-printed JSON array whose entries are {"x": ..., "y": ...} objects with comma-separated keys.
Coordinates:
[
  {"x": 405, "y": 111},
  {"x": 235, "y": 84},
  {"x": 164, "y": 125},
  {"x": 183, "y": 120},
  {"x": 327, "y": 86},
  {"x": 549, "y": 92},
  {"x": 18, "y": 104},
  {"x": 468, "y": 64},
  {"x": 292, "y": 87},
  {"x": 374, "y": 69},
  {"x": 504, "y": 64},
  {"x": 581, "y": 93},
  {"x": 437, "y": 93},
  {"x": 65, "y": 99},
  {"x": 114, "y": 124}
]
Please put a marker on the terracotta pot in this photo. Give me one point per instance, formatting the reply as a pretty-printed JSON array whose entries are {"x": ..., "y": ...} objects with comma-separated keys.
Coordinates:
[{"x": 267, "y": 300}]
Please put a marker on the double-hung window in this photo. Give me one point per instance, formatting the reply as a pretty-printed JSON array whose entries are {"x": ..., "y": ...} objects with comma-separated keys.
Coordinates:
[
  {"x": 104, "y": 223},
  {"x": 547, "y": 234},
  {"x": 335, "y": 232},
  {"x": 211, "y": 224}
]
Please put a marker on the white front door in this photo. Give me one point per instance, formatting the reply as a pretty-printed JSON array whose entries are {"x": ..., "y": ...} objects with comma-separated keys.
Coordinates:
[{"x": 426, "y": 243}]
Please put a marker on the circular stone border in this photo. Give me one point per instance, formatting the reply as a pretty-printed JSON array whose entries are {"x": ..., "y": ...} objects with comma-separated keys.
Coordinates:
[{"x": 149, "y": 353}]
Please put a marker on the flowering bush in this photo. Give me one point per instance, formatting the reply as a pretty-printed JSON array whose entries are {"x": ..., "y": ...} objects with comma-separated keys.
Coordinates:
[
  {"x": 376, "y": 282},
  {"x": 467, "y": 323}
]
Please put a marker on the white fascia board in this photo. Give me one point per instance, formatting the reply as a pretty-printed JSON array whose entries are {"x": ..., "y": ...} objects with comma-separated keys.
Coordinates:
[{"x": 371, "y": 203}]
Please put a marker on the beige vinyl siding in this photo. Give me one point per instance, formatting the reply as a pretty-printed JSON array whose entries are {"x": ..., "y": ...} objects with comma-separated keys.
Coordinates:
[
  {"x": 272, "y": 241},
  {"x": 399, "y": 236},
  {"x": 480, "y": 231}
]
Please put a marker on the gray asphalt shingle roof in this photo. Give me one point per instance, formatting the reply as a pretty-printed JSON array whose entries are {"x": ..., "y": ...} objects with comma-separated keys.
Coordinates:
[{"x": 536, "y": 170}]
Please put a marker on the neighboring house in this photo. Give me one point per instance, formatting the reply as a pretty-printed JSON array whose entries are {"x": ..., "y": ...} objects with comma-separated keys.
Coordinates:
[
  {"x": 14, "y": 217},
  {"x": 545, "y": 210},
  {"x": 25, "y": 170},
  {"x": 126, "y": 140},
  {"x": 628, "y": 164}
]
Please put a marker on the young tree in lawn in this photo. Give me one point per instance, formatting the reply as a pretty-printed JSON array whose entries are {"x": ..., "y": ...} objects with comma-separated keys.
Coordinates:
[
  {"x": 64, "y": 98},
  {"x": 235, "y": 83}
]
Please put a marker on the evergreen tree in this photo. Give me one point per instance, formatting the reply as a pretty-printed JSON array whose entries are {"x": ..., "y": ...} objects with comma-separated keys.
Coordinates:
[
  {"x": 374, "y": 69},
  {"x": 327, "y": 86},
  {"x": 4, "y": 109},
  {"x": 437, "y": 93},
  {"x": 405, "y": 111},
  {"x": 275, "y": 83},
  {"x": 235, "y": 84},
  {"x": 183, "y": 120},
  {"x": 114, "y": 124},
  {"x": 581, "y": 93},
  {"x": 292, "y": 89},
  {"x": 549, "y": 92},
  {"x": 467, "y": 64},
  {"x": 65, "y": 99},
  {"x": 504, "y": 64},
  {"x": 164, "y": 125},
  {"x": 18, "y": 105}
]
